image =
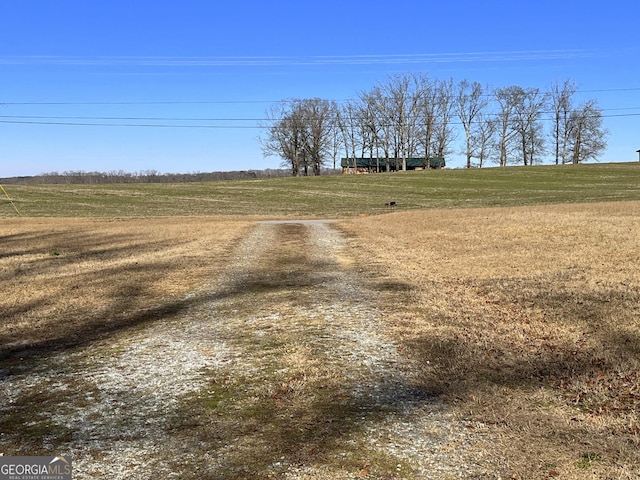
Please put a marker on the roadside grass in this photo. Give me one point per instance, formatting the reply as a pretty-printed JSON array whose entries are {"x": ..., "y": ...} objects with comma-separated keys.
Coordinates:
[
  {"x": 65, "y": 282},
  {"x": 333, "y": 196},
  {"x": 525, "y": 319}
]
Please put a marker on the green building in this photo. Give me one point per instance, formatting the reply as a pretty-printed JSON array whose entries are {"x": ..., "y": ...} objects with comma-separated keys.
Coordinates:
[{"x": 377, "y": 164}]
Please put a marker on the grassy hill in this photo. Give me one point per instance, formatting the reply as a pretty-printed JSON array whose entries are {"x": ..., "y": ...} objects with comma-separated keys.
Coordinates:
[{"x": 333, "y": 196}]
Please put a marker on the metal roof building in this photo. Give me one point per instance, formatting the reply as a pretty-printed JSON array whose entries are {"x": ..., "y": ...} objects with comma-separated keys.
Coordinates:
[{"x": 377, "y": 164}]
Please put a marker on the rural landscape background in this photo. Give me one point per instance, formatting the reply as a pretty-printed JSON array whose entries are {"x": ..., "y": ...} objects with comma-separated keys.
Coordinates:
[
  {"x": 511, "y": 295},
  {"x": 275, "y": 319}
]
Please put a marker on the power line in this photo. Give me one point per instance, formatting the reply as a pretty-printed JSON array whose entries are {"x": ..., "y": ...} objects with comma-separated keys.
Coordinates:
[
  {"x": 236, "y": 102},
  {"x": 158, "y": 125},
  {"x": 202, "y": 119},
  {"x": 169, "y": 102},
  {"x": 298, "y": 60},
  {"x": 161, "y": 125},
  {"x": 173, "y": 119}
]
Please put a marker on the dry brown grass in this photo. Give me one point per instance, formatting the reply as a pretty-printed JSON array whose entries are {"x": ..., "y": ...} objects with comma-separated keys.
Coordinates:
[
  {"x": 525, "y": 319},
  {"x": 65, "y": 282}
]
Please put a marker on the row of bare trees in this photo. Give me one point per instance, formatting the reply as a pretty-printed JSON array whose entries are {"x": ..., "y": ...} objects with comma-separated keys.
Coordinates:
[
  {"x": 80, "y": 177},
  {"x": 413, "y": 115}
]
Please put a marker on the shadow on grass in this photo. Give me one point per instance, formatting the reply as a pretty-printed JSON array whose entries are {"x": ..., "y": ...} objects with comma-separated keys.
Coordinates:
[
  {"x": 540, "y": 333},
  {"x": 252, "y": 429},
  {"x": 286, "y": 417},
  {"x": 63, "y": 269}
]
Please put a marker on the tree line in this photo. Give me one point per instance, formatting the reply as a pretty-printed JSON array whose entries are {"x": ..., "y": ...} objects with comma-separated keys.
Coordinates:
[
  {"x": 145, "y": 176},
  {"x": 413, "y": 115}
]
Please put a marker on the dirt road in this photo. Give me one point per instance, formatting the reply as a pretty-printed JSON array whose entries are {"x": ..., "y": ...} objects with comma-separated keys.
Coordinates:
[{"x": 281, "y": 368}]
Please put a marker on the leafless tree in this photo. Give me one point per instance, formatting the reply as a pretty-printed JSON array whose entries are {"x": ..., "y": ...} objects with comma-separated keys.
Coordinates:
[
  {"x": 300, "y": 132},
  {"x": 348, "y": 121},
  {"x": 412, "y": 115},
  {"x": 402, "y": 112},
  {"x": 444, "y": 113},
  {"x": 373, "y": 131},
  {"x": 285, "y": 135},
  {"x": 428, "y": 102},
  {"x": 483, "y": 138},
  {"x": 560, "y": 97},
  {"x": 382, "y": 113},
  {"x": 587, "y": 138},
  {"x": 336, "y": 144},
  {"x": 528, "y": 105},
  {"x": 318, "y": 118},
  {"x": 504, "y": 98},
  {"x": 520, "y": 127},
  {"x": 469, "y": 103}
]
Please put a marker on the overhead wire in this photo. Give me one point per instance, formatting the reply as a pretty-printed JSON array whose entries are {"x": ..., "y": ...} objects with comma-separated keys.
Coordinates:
[
  {"x": 199, "y": 119},
  {"x": 156, "y": 125},
  {"x": 236, "y": 102},
  {"x": 23, "y": 121},
  {"x": 117, "y": 121},
  {"x": 161, "y": 125}
]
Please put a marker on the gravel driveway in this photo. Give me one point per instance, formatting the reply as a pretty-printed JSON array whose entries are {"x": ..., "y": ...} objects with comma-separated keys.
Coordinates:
[{"x": 118, "y": 406}]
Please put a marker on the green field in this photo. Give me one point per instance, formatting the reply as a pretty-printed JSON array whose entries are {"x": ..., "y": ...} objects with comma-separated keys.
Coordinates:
[{"x": 333, "y": 196}]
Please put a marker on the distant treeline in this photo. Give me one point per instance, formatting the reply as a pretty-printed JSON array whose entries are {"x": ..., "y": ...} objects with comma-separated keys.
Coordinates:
[{"x": 146, "y": 176}]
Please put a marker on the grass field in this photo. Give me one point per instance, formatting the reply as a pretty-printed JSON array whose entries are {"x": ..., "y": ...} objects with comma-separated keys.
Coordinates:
[
  {"x": 334, "y": 196},
  {"x": 523, "y": 318},
  {"x": 66, "y": 282},
  {"x": 526, "y": 319}
]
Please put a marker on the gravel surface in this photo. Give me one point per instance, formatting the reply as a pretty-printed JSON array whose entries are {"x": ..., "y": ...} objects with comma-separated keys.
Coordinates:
[{"x": 117, "y": 397}]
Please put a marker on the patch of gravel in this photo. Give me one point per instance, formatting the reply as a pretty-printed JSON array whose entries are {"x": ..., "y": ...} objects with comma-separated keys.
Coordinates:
[
  {"x": 415, "y": 427},
  {"x": 120, "y": 393}
]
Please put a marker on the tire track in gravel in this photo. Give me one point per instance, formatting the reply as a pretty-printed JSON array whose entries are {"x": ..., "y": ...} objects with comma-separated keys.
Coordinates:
[{"x": 313, "y": 387}]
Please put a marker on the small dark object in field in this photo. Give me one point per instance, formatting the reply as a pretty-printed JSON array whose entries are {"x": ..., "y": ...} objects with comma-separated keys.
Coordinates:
[{"x": 390, "y": 205}]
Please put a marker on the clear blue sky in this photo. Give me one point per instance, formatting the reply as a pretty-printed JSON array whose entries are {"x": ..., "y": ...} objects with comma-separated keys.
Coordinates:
[{"x": 85, "y": 61}]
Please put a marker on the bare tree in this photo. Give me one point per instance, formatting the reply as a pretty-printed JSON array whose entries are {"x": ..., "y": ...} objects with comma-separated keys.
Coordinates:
[
  {"x": 372, "y": 130},
  {"x": 348, "y": 123},
  {"x": 587, "y": 138},
  {"x": 318, "y": 118},
  {"x": 300, "y": 132},
  {"x": 470, "y": 101},
  {"x": 337, "y": 138},
  {"x": 520, "y": 119},
  {"x": 483, "y": 138},
  {"x": 402, "y": 111},
  {"x": 504, "y": 98},
  {"x": 428, "y": 102},
  {"x": 411, "y": 114},
  {"x": 560, "y": 99},
  {"x": 383, "y": 114},
  {"x": 528, "y": 106},
  {"x": 286, "y": 135},
  {"x": 444, "y": 112}
]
